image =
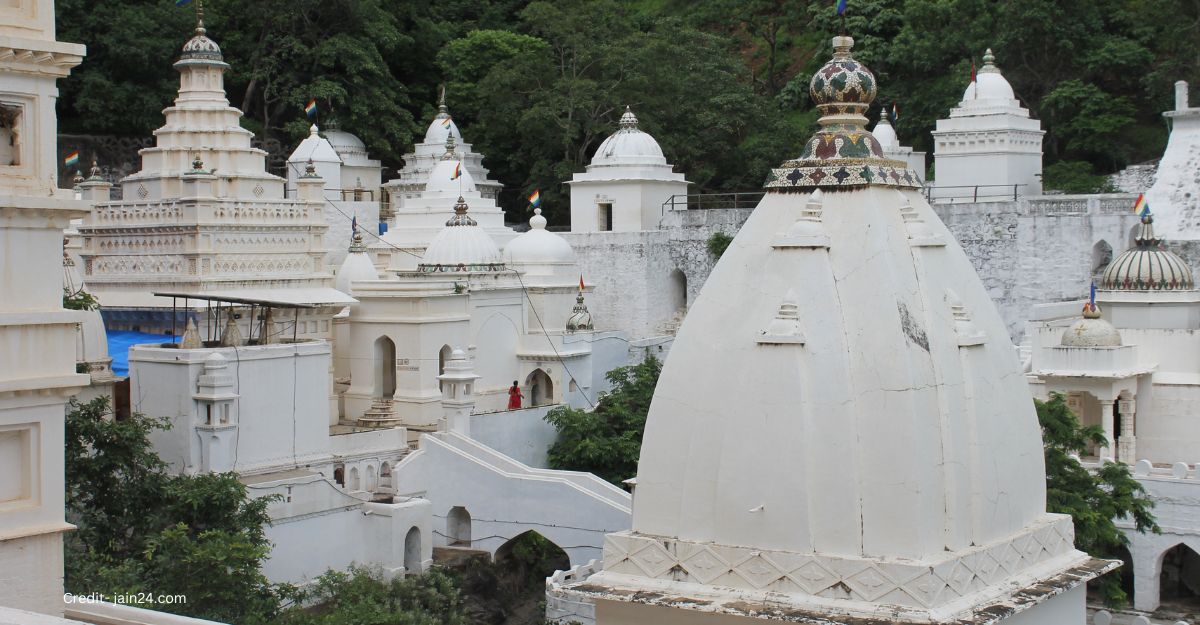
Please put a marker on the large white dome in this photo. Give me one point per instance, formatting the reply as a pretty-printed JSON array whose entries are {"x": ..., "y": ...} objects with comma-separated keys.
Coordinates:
[
  {"x": 461, "y": 246},
  {"x": 538, "y": 246},
  {"x": 629, "y": 146},
  {"x": 442, "y": 180}
]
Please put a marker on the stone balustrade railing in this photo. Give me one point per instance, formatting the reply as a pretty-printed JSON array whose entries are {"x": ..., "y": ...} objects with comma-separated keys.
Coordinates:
[
  {"x": 567, "y": 610},
  {"x": 172, "y": 211},
  {"x": 1145, "y": 468}
]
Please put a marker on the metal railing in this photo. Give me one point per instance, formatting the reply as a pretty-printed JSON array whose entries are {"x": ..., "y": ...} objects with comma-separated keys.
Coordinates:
[
  {"x": 935, "y": 193},
  {"x": 699, "y": 201}
]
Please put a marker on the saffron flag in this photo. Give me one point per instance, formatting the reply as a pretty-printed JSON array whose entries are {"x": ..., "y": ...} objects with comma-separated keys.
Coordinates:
[
  {"x": 182, "y": 3},
  {"x": 1141, "y": 206},
  {"x": 311, "y": 108},
  {"x": 457, "y": 171},
  {"x": 580, "y": 282},
  {"x": 446, "y": 123},
  {"x": 72, "y": 159},
  {"x": 535, "y": 198},
  {"x": 841, "y": 7}
]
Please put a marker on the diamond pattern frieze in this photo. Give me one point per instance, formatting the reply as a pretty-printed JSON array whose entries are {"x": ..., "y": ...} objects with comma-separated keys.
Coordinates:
[
  {"x": 652, "y": 559},
  {"x": 813, "y": 577},
  {"x": 704, "y": 566},
  {"x": 870, "y": 584},
  {"x": 758, "y": 572}
]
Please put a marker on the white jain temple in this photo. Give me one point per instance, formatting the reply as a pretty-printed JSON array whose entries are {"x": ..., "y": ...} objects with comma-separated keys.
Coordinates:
[{"x": 347, "y": 342}]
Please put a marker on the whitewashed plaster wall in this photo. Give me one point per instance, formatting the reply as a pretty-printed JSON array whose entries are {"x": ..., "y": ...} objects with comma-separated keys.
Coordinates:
[
  {"x": 506, "y": 498},
  {"x": 282, "y": 412},
  {"x": 317, "y": 527},
  {"x": 636, "y": 287},
  {"x": 523, "y": 435}
]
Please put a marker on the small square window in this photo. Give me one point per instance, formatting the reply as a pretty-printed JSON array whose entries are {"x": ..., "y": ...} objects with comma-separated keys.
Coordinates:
[{"x": 10, "y": 135}]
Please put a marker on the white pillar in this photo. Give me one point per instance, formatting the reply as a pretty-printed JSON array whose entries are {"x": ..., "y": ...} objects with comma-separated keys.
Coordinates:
[
  {"x": 1126, "y": 445},
  {"x": 458, "y": 402},
  {"x": 1181, "y": 95},
  {"x": 1106, "y": 420}
]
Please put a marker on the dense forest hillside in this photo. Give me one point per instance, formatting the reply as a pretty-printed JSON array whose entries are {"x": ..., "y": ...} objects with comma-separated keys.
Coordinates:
[{"x": 722, "y": 84}]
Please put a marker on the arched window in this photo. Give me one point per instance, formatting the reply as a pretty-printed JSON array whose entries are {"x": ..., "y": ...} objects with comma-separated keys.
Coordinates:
[
  {"x": 385, "y": 368},
  {"x": 531, "y": 549},
  {"x": 355, "y": 483},
  {"x": 458, "y": 527},
  {"x": 371, "y": 483},
  {"x": 443, "y": 356},
  {"x": 412, "y": 551},
  {"x": 385, "y": 475},
  {"x": 1102, "y": 255},
  {"x": 678, "y": 292}
]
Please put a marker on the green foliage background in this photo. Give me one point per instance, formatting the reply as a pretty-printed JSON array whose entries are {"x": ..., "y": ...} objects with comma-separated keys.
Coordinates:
[{"x": 722, "y": 84}]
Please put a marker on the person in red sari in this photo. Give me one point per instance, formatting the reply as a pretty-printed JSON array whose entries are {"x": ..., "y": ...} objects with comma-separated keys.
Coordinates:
[{"x": 514, "y": 396}]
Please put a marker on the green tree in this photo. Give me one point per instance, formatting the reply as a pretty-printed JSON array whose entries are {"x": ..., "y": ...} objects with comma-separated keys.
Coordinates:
[
  {"x": 606, "y": 441},
  {"x": 1094, "y": 499},
  {"x": 143, "y": 529},
  {"x": 364, "y": 595}
]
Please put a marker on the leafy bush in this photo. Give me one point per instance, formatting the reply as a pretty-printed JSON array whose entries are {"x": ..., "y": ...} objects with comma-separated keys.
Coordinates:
[
  {"x": 718, "y": 243},
  {"x": 1074, "y": 177}
]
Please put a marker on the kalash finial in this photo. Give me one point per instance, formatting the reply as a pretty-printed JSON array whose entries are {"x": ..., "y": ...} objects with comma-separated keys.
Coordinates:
[
  {"x": 94, "y": 173},
  {"x": 989, "y": 63},
  {"x": 842, "y": 153},
  {"x": 356, "y": 243},
  {"x": 200, "y": 18},
  {"x": 443, "y": 110},
  {"x": 460, "y": 217},
  {"x": 628, "y": 121},
  {"x": 78, "y": 179},
  {"x": 1145, "y": 235},
  {"x": 310, "y": 169},
  {"x": 450, "y": 154}
]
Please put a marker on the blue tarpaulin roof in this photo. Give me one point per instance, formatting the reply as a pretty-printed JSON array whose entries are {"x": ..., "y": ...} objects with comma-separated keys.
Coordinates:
[{"x": 119, "y": 342}]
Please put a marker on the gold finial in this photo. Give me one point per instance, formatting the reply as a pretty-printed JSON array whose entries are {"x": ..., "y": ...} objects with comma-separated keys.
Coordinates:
[{"x": 200, "y": 17}]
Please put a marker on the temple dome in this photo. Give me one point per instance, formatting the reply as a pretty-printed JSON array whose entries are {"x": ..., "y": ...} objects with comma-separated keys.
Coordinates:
[
  {"x": 355, "y": 267},
  {"x": 1091, "y": 331},
  {"x": 842, "y": 79},
  {"x": 442, "y": 127},
  {"x": 345, "y": 143},
  {"x": 1147, "y": 266},
  {"x": 884, "y": 133},
  {"x": 989, "y": 83},
  {"x": 461, "y": 246},
  {"x": 442, "y": 180},
  {"x": 538, "y": 246},
  {"x": 314, "y": 148},
  {"x": 629, "y": 145}
]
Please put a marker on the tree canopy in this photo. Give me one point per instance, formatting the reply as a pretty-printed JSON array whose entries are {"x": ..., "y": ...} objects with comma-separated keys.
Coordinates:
[
  {"x": 722, "y": 85},
  {"x": 607, "y": 441}
]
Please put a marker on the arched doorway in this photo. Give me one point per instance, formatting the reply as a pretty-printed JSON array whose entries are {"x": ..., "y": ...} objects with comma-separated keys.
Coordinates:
[
  {"x": 530, "y": 555},
  {"x": 1102, "y": 255},
  {"x": 541, "y": 388},
  {"x": 1179, "y": 580},
  {"x": 412, "y": 551},
  {"x": 385, "y": 368},
  {"x": 355, "y": 483},
  {"x": 443, "y": 356},
  {"x": 678, "y": 292},
  {"x": 458, "y": 527}
]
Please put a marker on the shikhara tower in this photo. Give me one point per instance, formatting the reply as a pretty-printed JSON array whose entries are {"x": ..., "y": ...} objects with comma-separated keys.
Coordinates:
[{"x": 842, "y": 434}]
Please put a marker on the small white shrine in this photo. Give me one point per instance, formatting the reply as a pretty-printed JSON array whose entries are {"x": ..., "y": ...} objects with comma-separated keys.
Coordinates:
[
  {"x": 414, "y": 224},
  {"x": 411, "y": 180},
  {"x": 989, "y": 142},
  {"x": 885, "y": 134},
  {"x": 626, "y": 183}
]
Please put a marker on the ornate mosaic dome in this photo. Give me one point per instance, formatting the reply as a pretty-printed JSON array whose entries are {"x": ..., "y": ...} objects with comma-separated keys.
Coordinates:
[
  {"x": 843, "y": 153},
  {"x": 1147, "y": 266}
]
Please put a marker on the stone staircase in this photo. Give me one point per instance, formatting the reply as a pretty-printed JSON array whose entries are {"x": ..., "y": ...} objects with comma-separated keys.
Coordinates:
[{"x": 381, "y": 414}]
